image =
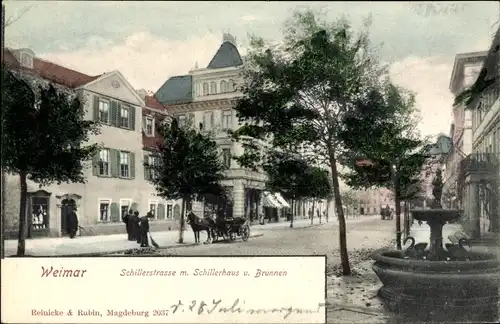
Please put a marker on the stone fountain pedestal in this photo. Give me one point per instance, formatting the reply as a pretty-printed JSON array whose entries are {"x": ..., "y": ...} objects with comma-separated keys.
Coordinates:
[{"x": 437, "y": 289}]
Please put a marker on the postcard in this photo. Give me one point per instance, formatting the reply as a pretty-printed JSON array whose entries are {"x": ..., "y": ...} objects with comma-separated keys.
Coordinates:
[{"x": 250, "y": 162}]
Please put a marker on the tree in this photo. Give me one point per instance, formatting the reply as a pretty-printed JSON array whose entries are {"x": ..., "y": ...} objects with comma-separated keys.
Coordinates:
[
  {"x": 188, "y": 165},
  {"x": 294, "y": 178},
  {"x": 382, "y": 135},
  {"x": 296, "y": 94},
  {"x": 349, "y": 200},
  {"x": 43, "y": 136}
]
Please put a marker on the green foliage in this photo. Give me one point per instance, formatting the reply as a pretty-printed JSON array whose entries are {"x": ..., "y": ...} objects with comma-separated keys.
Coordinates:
[
  {"x": 383, "y": 131},
  {"x": 43, "y": 132},
  {"x": 188, "y": 163},
  {"x": 349, "y": 199},
  {"x": 294, "y": 178}
]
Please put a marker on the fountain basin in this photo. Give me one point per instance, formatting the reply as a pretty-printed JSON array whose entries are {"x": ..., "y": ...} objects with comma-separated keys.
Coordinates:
[
  {"x": 444, "y": 215},
  {"x": 440, "y": 290}
]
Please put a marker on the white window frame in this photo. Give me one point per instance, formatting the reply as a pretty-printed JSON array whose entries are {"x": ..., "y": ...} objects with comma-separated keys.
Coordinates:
[
  {"x": 223, "y": 86},
  {"x": 213, "y": 87},
  {"x": 102, "y": 162},
  {"x": 230, "y": 85},
  {"x": 151, "y": 163},
  {"x": 205, "y": 90},
  {"x": 105, "y": 104},
  {"x": 122, "y": 118},
  {"x": 109, "y": 201},
  {"x": 152, "y": 121},
  {"x": 207, "y": 124},
  {"x": 125, "y": 202},
  {"x": 128, "y": 155},
  {"x": 182, "y": 119},
  {"x": 227, "y": 124},
  {"x": 156, "y": 203},
  {"x": 172, "y": 211}
]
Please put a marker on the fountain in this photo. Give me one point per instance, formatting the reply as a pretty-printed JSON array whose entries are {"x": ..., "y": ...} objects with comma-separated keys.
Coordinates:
[{"x": 438, "y": 284}]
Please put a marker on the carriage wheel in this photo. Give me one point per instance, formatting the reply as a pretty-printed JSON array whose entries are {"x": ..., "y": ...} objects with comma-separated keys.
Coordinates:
[{"x": 245, "y": 233}]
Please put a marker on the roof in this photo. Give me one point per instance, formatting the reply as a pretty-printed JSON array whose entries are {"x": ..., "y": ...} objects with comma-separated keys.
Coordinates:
[
  {"x": 176, "y": 90},
  {"x": 460, "y": 60},
  {"x": 50, "y": 71},
  {"x": 226, "y": 56},
  {"x": 151, "y": 102}
]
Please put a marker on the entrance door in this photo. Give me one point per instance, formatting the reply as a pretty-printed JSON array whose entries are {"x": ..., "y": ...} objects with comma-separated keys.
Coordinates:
[{"x": 67, "y": 206}]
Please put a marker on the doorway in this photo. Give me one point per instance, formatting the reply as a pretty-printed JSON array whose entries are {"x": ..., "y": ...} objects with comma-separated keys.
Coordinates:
[{"x": 67, "y": 207}]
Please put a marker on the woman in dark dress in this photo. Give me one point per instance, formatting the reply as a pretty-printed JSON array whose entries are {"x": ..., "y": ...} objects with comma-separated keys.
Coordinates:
[
  {"x": 144, "y": 229},
  {"x": 72, "y": 224},
  {"x": 134, "y": 226}
]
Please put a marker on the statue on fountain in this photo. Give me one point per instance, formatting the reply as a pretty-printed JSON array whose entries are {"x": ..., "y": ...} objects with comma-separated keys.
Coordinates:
[{"x": 437, "y": 189}]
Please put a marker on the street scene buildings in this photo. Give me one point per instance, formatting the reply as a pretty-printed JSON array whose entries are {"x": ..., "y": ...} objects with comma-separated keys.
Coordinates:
[{"x": 308, "y": 149}]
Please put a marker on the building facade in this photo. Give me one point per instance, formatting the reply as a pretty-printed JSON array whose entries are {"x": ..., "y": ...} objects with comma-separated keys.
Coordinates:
[
  {"x": 465, "y": 71},
  {"x": 206, "y": 96},
  {"x": 115, "y": 178}
]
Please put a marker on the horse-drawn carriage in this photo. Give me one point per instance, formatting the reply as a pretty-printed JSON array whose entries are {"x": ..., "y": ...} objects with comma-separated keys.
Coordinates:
[
  {"x": 226, "y": 228},
  {"x": 386, "y": 213},
  {"x": 230, "y": 228}
]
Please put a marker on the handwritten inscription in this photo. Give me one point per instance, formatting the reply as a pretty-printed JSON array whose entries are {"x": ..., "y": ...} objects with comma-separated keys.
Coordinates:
[{"x": 61, "y": 272}]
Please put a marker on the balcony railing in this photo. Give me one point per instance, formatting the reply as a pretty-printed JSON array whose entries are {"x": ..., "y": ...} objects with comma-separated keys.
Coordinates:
[
  {"x": 489, "y": 97},
  {"x": 480, "y": 162}
]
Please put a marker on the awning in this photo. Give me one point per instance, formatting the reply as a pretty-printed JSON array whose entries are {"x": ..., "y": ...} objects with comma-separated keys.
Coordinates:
[
  {"x": 271, "y": 201},
  {"x": 281, "y": 200}
]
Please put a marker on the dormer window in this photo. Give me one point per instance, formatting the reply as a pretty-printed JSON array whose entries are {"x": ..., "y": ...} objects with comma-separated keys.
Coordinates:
[{"x": 26, "y": 60}]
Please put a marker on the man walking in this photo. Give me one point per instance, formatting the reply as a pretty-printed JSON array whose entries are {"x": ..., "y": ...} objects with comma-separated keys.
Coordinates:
[
  {"x": 144, "y": 229},
  {"x": 72, "y": 224},
  {"x": 134, "y": 226}
]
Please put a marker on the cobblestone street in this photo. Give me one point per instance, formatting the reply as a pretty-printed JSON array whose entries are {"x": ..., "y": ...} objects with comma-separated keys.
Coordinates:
[{"x": 364, "y": 235}]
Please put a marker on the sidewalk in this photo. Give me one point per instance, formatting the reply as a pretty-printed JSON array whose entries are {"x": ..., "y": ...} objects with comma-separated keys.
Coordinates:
[
  {"x": 303, "y": 223},
  {"x": 64, "y": 246}
]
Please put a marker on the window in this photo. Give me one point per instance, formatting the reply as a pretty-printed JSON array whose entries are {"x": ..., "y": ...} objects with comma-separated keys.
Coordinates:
[
  {"x": 153, "y": 207},
  {"x": 149, "y": 127},
  {"x": 223, "y": 86},
  {"x": 124, "y": 206},
  {"x": 124, "y": 164},
  {"x": 213, "y": 87},
  {"x": 124, "y": 117},
  {"x": 182, "y": 120},
  {"x": 104, "y": 112},
  {"x": 231, "y": 85},
  {"x": 205, "y": 89},
  {"x": 103, "y": 162},
  {"x": 207, "y": 120},
  {"x": 227, "y": 119},
  {"x": 169, "y": 211},
  {"x": 152, "y": 162},
  {"x": 226, "y": 157},
  {"x": 104, "y": 210}
]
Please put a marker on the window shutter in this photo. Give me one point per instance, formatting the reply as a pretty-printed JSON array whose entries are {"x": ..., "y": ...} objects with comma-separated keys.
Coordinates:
[
  {"x": 114, "y": 162},
  {"x": 131, "y": 116},
  {"x": 114, "y": 113},
  {"x": 132, "y": 165},
  {"x": 96, "y": 108},
  {"x": 95, "y": 164},
  {"x": 146, "y": 167},
  {"x": 161, "y": 211},
  {"x": 115, "y": 212}
]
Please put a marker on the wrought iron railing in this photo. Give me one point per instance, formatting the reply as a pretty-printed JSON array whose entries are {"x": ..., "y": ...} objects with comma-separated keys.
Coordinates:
[
  {"x": 489, "y": 96},
  {"x": 480, "y": 162}
]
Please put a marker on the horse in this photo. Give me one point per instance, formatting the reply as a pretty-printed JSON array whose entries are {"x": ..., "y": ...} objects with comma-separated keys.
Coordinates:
[{"x": 199, "y": 224}]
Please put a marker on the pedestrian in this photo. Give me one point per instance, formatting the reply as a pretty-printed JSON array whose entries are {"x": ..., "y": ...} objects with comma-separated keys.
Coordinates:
[
  {"x": 126, "y": 220},
  {"x": 72, "y": 224},
  {"x": 134, "y": 226},
  {"x": 144, "y": 229}
]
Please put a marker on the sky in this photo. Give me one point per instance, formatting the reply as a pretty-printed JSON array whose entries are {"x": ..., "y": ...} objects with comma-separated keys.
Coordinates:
[{"x": 151, "y": 41}]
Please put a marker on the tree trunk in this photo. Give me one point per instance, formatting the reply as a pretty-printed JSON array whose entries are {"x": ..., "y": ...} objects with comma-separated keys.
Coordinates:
[
  {"x": 313, "y": 210},
  {"x": 181, "y": 220},
  {"x": 398, "y": 219},
  {"x": 344, "y": 257},
  {"x": 327, "y": 209},
  {"x": 293, "y": 213},
  {"x": 21, "y": 241}
]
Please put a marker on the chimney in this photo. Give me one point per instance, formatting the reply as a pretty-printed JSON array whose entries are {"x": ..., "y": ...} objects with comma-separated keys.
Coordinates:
[
  {"x": 142, "y": 93},
  {"x": 227, "y": 37}
]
